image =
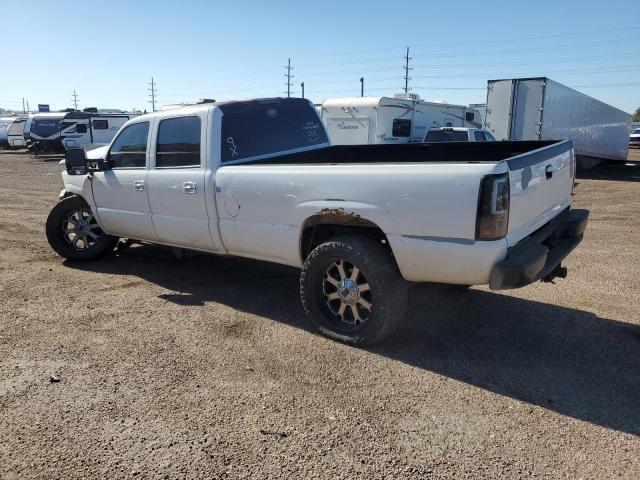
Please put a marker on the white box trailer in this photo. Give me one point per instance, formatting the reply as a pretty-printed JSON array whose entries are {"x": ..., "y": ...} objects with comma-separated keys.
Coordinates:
[
  {"x": 403, "y": 119},
  {"x": 541, "y": 109}
]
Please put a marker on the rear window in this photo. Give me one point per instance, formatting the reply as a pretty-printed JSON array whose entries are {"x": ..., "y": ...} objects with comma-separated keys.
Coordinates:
[
  {"x": 262, "y": 128},
  {"x": 446, "y": 136},
  {"x": 178, "y": 143}
]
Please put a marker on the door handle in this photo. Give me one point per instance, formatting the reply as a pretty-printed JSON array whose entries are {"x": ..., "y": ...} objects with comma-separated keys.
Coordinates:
[
  {"x": 139, "y": 185},
  {"x": 189, "y": 187},
  {"x": 549, "y": 171}
]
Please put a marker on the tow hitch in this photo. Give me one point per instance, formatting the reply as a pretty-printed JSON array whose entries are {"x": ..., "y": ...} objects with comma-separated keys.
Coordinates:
[{"x": 558, "y": 272}]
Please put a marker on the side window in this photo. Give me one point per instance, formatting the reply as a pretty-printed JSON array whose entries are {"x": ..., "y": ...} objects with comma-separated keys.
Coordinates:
[
  {"x": 401, "y": 127},
  {"x": 479, "y": 135},
  {"x": 469, "y": 116},
  {"x": 100, "y": 124},
  {"x": 81, "y": 128},
  {"x": 178, "y": 143},
  {"x": 489, "y": 137},
  {"x": 129, "y": 150}
]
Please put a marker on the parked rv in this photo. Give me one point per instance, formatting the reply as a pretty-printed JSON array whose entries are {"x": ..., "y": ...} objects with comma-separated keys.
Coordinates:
[
  {"x": 15, "y": 134},
  {"x": 55, "y": 131},
  {"x": 43, "y": 132},
  {"x": 541, "y": 109},
  {"x": 5, "y": 123},
  {"x": 91, "y": 129},
  {"x": 402, "y": 119}
]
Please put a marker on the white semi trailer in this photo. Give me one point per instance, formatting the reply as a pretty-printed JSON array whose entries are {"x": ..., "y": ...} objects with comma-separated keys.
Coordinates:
[{"x": 541, "y": 109}]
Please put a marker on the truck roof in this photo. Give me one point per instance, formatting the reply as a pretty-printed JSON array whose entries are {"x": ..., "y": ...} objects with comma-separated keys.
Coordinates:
[{"x": 200, "y": 107}]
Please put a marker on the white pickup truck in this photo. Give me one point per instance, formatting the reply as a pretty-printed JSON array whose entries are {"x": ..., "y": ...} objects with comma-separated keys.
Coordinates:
[{"x": 259, "y": 179}]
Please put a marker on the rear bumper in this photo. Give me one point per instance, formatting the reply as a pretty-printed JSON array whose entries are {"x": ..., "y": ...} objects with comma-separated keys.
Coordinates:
[{"x": 539, "y": 256}]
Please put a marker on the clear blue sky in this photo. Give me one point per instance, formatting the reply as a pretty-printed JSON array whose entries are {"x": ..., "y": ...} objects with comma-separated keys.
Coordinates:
[{"x": 108, "y": 51}]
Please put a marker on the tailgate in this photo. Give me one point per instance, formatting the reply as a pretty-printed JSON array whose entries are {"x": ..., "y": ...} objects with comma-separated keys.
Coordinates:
[{"x": 540, "y": 182}]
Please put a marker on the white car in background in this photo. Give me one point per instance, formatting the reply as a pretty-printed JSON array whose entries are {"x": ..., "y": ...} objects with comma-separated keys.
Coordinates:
[
  {"x": 457, "y": 134},
  {"x": 634, "y": 138}
]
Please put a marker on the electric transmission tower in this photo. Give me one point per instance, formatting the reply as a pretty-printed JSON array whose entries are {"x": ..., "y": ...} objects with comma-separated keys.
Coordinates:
[
  {"x": 152, "y": 94},
  {"x": 289, "y": 77},
  {"x": 407, "y": 68},
  {"x": 74, "y": 99}
]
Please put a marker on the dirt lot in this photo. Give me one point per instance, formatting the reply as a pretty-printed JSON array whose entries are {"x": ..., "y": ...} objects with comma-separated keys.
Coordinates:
[{"x": 204, "y": 368}]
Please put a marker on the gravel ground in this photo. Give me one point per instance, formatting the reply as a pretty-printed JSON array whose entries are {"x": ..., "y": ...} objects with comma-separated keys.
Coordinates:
[{"x": 204, "y": 368}]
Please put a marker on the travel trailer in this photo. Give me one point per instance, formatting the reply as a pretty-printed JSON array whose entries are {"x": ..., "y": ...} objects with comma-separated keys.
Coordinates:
[
  {"x": 54, "y": 132},
  {"x": 402, "y": 119},
  {"x": 5, "y": 123},
  {"x": 15, "y": 133},
  {"x": 91, "y": 129}
]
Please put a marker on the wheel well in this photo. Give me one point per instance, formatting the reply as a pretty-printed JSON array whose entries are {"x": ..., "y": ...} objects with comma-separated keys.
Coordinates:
[{"x": 321, "y": 228}]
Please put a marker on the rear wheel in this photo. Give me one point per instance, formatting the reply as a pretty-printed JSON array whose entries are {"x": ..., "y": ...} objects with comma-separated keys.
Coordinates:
[
  {"x": 73, "y": 233},
  {"x": 352, "y": 291}
]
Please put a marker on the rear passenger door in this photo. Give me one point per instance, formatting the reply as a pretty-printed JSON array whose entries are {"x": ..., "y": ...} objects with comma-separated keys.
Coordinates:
[{"x": 177, "y": 182}]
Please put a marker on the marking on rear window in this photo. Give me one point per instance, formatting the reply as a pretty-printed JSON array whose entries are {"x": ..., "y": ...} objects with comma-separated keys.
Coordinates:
[{"x": 233, "y": 147}]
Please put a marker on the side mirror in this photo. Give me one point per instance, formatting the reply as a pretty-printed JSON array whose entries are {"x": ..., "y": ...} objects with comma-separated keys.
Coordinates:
[{"x": 75, "y": 159}]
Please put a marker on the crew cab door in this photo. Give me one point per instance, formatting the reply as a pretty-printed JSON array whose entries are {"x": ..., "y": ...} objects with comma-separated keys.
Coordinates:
[
  {"x": 120, "y": 193},
  {"x": 177, "y": 189}
]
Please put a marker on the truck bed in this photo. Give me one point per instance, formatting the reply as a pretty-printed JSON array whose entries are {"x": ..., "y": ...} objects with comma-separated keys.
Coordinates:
[{"x": 447, "y": 152}]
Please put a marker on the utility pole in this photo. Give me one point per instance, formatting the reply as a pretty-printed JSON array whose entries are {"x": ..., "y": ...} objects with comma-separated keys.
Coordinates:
[
  {"x": 152, "y": 94},
  {"x": 362, "y": 86},
  {"x": 28, "y": 109},
  {"x": 302, "y": 85},
  {"x": 406, "y": 71},
  {"x": 289, "y": 77},
  {"x": 23, "y": 110},
  {"x": 74, "y": 99}
]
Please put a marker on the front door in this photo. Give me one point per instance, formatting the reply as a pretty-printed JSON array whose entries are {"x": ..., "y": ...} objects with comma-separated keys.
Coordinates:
[
  {"x": 120, "y": 193},
  {"x": 177, "y": 186}
]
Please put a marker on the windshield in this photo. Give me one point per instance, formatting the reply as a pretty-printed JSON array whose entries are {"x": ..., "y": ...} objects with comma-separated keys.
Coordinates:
[
  {"x": 446, "y": 136},
  {"x": 637, "y": 130},
  {"x": 263, "y": 128}
]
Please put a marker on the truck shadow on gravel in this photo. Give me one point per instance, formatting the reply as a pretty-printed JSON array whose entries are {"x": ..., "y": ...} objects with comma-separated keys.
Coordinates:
[
  {"x": 566, "y": 360},
  {"x": 617, "y": 171}
]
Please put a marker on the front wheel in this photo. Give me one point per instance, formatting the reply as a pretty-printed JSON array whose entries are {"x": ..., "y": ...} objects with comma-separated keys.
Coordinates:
[
  {"x": 352, "y": 291},
  {"x": 73, "y": 233}
]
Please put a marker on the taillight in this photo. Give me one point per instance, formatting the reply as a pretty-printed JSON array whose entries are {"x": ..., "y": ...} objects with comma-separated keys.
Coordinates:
[{"x": 493, "y": 207}]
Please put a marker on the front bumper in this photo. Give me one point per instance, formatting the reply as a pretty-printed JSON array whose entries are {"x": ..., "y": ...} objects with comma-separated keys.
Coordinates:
[{"x": 539, "y": 256}]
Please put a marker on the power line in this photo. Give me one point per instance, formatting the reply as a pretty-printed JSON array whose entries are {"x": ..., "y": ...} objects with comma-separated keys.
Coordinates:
[
  {"x": 289, "y": 77},
  {"x": 152, "y": 94}
]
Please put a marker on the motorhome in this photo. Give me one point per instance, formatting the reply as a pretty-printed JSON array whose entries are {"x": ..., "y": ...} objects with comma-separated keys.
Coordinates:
[{"x": 402, "y": 119}]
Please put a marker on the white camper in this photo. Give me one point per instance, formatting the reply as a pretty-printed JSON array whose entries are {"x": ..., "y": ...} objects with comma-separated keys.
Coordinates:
[
  {"x": 403, "y": 119},
  {"x": 90, "y": 129},
  {"x": 15, "y": 133},
  {"x": 5, "y": 123}
]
